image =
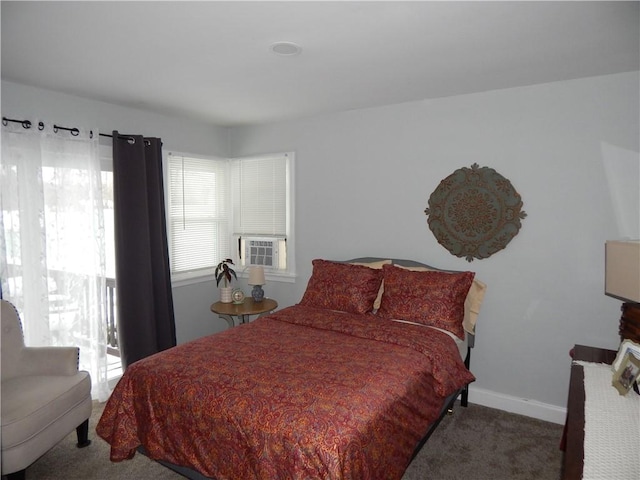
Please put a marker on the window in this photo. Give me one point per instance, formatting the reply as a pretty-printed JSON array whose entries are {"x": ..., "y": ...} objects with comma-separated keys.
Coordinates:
[
  {"x": 199, "y": 214},
  {"x": 262, "y": 211},
  {"x": 230, "y": 208}
]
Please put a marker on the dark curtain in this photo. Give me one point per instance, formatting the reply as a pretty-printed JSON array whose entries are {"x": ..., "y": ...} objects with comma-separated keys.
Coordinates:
[{"x": 146, "y": 323}]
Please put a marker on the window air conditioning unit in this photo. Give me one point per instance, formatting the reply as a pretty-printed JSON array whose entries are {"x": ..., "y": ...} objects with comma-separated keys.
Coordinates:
[{"x": 264, "y": 251}]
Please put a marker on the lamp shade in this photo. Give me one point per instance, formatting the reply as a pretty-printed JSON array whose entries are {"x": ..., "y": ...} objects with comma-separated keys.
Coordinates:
[
  {"x": 622, "y": 270},
  {"x": 256, "y": 276}
]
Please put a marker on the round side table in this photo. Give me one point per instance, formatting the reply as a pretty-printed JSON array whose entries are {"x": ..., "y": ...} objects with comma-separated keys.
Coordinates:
[{"x": 243, "y": 310}]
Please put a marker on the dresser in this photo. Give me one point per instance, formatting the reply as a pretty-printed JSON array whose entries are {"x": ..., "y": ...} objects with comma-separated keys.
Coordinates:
[{"x": 573, "y": 441}]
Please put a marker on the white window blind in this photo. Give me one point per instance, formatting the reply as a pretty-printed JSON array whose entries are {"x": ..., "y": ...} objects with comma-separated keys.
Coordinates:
[
  {"x": 199, "y": 214},
  {"x": 260, "y": 195}
]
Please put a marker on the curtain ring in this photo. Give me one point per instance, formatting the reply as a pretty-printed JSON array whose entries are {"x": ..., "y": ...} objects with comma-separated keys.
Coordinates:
[
  {"x": 55, "y": 128},
  {"x": 74, "y": 132},
  {"x": 4, "y": 121},
  {"x": 40, "y": 126},
  {"x": 131, "y": 141},
  {"x": 26, "y": 124}
]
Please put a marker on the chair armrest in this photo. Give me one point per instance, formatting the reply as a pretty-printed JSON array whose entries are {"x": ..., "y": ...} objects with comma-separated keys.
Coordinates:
[{"x": 49, "y": 360}]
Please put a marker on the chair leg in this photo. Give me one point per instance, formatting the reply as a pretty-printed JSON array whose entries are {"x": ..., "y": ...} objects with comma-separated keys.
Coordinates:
[
  {"x": 19, "y": 475},
  {"x": 82, "y": 432}
]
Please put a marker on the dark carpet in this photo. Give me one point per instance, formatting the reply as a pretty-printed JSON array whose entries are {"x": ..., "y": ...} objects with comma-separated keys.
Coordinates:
[{"x": 475, "y": 443}]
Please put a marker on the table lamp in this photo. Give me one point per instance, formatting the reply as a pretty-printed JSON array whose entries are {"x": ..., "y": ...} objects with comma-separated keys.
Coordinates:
[
  {"x": 256, "y": 278},
  {"x": 622, "y": 281}
]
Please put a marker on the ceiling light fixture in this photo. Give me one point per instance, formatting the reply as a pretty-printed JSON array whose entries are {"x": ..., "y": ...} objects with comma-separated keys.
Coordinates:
[{"x": 285, "y": 49}]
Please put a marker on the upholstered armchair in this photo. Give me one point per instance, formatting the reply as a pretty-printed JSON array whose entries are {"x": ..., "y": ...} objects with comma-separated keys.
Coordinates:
[{"x": 44, "y": 397}]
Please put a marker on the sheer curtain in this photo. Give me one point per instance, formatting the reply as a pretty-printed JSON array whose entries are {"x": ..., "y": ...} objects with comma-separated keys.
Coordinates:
[{"x": 52, "y": 240}]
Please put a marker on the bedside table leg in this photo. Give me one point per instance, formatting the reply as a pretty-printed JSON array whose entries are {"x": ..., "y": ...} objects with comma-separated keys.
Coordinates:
[{"x": 229, "y": 320}]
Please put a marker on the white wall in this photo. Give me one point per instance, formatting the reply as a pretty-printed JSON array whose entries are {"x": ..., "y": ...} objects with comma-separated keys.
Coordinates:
[
  {"x": 364, "y": 179},
  {"x": 179, "y": 134},
  {"x": 191, "y": 304}
]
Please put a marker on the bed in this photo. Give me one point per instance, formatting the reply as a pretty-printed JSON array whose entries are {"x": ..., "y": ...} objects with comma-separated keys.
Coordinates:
[{"x": 347, "y": 384}]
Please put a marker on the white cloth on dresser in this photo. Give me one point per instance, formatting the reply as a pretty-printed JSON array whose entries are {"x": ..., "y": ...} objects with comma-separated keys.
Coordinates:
[{"x": 611, "y": 427}]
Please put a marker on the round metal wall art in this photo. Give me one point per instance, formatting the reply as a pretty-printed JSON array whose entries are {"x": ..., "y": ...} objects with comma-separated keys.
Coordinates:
[{"x": 475, "y": 212}]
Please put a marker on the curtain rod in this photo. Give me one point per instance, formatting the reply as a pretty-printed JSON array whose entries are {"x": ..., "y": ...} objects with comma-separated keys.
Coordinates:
[{"x": 74, "y": 131}]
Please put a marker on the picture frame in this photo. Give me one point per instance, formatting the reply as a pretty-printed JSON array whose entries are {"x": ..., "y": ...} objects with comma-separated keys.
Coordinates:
[
  {"x": 626, "y": 374},
  {"x": 627, "y": 346}
]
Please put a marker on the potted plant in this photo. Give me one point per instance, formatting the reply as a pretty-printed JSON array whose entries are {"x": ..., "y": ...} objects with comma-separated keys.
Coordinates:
[{"x": 225, "y": 272}]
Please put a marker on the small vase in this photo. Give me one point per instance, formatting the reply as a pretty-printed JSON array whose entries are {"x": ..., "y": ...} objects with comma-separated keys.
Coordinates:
[
  {"x": 225, "y": 294},
  {"x": 257, "y": 293}
]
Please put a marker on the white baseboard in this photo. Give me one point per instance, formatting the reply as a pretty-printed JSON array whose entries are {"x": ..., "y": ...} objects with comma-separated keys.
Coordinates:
[{"x": 521, "y": 406}]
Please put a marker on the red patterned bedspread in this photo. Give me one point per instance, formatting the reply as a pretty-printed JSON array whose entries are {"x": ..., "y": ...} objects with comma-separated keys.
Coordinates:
[{"x": 301, "y": 394}]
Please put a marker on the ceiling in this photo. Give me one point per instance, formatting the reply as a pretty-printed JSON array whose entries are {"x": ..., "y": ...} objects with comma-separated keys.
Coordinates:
[{"x": 211, "y": 61}]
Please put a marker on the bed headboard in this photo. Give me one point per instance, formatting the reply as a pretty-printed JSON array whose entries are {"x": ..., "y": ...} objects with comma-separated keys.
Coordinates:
[
  {"x": 411, "y": 263},
  {"x": 395, "y": 261}
]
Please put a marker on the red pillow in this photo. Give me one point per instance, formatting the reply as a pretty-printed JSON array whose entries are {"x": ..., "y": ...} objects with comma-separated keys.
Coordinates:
[
  {"x": 430, "y": 298},
  {"x": 342, "y": 286}
]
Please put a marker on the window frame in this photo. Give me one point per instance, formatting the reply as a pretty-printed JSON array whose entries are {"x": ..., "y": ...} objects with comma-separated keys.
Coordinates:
[
  {"x": 196, "y": 275},
  {"x": 206, "y": 274},
  {"x": 289, "y": 274}
]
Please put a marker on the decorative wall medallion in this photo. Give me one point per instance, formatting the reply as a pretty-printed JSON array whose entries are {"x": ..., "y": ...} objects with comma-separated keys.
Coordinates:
[{"x": 475, "y": 212}]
